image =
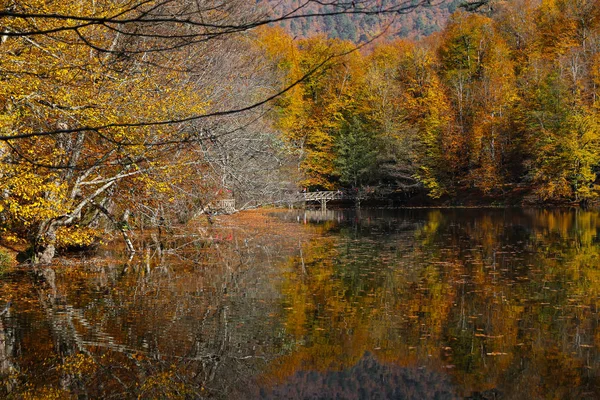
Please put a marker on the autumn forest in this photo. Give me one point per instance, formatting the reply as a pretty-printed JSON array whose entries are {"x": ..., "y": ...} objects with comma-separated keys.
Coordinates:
[
  {"x": 127, "y": 114},
  {"x": 162, "y": 234},
  {"x": 492, "y": 103}
]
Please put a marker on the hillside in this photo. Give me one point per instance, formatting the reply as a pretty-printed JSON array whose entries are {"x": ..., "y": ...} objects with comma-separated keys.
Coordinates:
[{"x": 357, "y": 27}]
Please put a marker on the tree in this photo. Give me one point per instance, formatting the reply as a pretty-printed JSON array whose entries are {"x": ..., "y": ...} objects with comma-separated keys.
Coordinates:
[
  {"x": 53, "y": 183},
  {"x": 59, "y": 178},
  {"x": 384, "y": 111},
  {"x": 461, "y": 53},
  {"x": 313, "y": 112},
  {"x": 558, "y": 106},
  {"x": 356, "y": 154},
  {"x": 429, "y": 116}
]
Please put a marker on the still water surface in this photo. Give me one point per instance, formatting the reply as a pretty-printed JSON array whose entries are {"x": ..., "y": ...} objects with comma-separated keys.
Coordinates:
[{"x": 398, "y": 304}]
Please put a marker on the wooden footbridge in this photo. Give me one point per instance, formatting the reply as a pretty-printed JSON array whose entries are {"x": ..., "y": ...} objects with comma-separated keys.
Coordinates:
[
  {"x": 228, "y": 205},
  {"x": 324, "y": 197}
]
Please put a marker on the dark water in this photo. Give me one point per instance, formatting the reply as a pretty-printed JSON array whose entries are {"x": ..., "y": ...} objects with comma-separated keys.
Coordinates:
[{"x": 402, "y": 304}]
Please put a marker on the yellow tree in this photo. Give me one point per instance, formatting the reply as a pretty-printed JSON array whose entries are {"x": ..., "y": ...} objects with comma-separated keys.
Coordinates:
[
  {"x": 382, "y": 105},
  {"x": 312, "y": 113},
  {"x": 57, "y": 174},
  {"x": 559, "y": 107},
  {"x": 496, "y": 94},
  {"x": 461, "y": 53},
  {"x": 429, "y": 112},
  {"x": 479, "y": 73}
]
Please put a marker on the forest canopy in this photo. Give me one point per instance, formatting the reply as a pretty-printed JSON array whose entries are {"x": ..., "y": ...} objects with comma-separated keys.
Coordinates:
[{"x": 497, "y": 102}]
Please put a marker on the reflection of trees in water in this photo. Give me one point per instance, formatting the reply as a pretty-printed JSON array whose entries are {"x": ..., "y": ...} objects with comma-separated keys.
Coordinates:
[
  {"x": 368, "y": 379},
  {"x": 176, "y": 329},
  {"x": 497, "y": 302},
  {"x": 8, "y": 348},
  {"x": 491, "y": 297}
]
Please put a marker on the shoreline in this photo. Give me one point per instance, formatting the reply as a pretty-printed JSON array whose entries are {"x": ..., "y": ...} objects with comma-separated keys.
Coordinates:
[{"x": 259, "y": 223}]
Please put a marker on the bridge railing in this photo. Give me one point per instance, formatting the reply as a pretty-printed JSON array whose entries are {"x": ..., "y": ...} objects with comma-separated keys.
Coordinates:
[{"x": 318, "y": 196}]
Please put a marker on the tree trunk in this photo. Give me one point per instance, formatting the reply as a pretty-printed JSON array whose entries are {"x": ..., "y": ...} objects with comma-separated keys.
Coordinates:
[{"x": 45, "y": 253}]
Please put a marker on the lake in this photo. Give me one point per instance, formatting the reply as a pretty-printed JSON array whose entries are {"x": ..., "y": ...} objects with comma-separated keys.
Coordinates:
[{"x": 386, "y": 304}]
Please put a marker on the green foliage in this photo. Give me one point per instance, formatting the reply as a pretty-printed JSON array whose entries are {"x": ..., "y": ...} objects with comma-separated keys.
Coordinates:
[
  {"x": 465, "y": 44},
  {"x": 565, "y": 136},
  {"x": 5, "y": 261},
  {"x": 356, "y": 154}
]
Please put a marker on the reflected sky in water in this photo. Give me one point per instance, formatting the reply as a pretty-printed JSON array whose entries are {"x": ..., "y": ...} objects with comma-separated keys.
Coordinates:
[{"x": 410, "y": 304}]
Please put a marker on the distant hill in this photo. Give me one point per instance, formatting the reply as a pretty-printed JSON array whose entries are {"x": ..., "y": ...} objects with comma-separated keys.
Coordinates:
[{"x": 358, "y": 28}]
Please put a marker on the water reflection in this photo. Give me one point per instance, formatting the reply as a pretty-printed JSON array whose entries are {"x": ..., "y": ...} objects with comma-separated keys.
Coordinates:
[{"x": 381, "y": 303}]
